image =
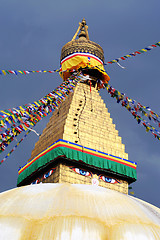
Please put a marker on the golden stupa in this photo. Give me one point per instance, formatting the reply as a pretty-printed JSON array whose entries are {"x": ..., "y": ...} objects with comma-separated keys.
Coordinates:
[{"x": 79, "y": 172}]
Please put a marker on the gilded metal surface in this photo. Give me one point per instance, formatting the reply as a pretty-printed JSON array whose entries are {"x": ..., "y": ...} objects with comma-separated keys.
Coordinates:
[
  {"x": 83, "y": 119},
  {"x": 82, "y": 45}
]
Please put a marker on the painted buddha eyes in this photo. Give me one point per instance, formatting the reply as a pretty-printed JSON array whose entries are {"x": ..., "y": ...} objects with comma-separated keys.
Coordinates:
[
  {"x": 86, "y": 174},
  {"x": 82, "y": 172},
  {"x": 109, "y": 180}
]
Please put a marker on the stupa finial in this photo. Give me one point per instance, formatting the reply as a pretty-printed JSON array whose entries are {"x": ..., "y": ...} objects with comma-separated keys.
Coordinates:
[
  {"x": 82, "y": 53},
  {"x": 83, "y": 28}
]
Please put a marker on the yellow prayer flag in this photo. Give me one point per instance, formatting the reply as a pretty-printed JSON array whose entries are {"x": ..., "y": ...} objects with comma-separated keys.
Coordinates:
[
  {"x": 37, "y": 104},
  {"x": 13, "y": 116},
  {"x": 13, "y": 131},
  {"x": 4, "y": 72},
  {"x": 147, "y": 129},
  {"x": 127, "y": 106},
  {"x": 8, "y": 120},
  {"x": 19, "y": 119},
  {"x": 132, "y": 193},
  {"x": 22, "y": 108},
  {"x": 144, "y": 50},
  {"x": 50, "y": 99},
  {"x": 25, "y": 128},
  {"x": 6, "y": 113},
  {"x": 2, "y": 123}
]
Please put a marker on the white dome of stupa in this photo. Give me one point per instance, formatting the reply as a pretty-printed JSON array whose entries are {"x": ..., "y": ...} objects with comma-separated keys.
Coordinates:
[{"x": 75, "y": 212}]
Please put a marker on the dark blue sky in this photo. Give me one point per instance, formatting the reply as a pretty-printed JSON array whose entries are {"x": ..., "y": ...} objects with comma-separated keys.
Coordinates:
[{"x": 32, "y": 35}]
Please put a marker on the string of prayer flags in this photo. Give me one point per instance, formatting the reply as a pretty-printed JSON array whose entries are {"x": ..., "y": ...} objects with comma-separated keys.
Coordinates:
[
  {"x": 29, "y": 117},
  {"x": 14, "y": 148},
  {"x": 23, "y": 113},
  {"x": 145, "y": 111},
  {"x": 24, "y": 72},
  {"x": 9, "y": 135},
  {"x": 143, "y": 50},
  {"x": 134, "y": 108}
]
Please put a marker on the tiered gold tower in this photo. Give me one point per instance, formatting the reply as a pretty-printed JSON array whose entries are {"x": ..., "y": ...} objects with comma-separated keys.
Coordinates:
[
  {"x": 83, "y": 119},
  {"x": 83, "y": 124}
]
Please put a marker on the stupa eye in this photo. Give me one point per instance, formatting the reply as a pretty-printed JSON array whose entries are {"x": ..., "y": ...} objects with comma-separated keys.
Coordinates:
[
  {"x": 81, "y": 172},
  {"x": 109, "y": 180},
  {"x": 36, "y": 181}
]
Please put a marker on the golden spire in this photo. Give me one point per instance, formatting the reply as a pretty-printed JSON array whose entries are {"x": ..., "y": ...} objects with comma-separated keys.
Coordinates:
[
  {"x": 84, "y": 30},
  {"x": 82, "y": 53}
]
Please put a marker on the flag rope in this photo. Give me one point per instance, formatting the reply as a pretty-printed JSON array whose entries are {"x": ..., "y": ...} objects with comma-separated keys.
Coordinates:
[
  {"x": 116, "y": 60},
  {"x": 143, "y": 50},
  {"x": 14, "y": 148},
  {"x": 56, "y": 98},
  {"x": 137, "y": 110}
]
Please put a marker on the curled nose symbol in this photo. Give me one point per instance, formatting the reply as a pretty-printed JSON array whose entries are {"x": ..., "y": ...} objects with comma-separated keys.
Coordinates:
[{"x": 95, "y": 181}]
